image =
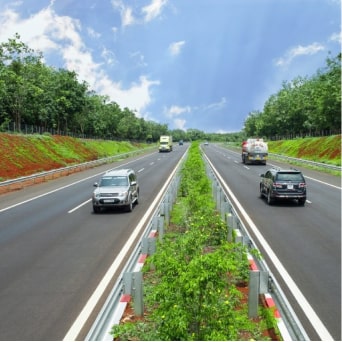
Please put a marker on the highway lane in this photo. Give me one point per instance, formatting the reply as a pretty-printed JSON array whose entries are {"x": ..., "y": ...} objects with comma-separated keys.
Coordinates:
[
  {"x": 307, "y": 240},
  {"x": 54, "y": 250}
]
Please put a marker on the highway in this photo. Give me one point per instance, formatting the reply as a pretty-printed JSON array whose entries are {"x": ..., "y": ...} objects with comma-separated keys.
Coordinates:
[
  {"x": 306, "y": 240},
  {"x": 54, "y": 251}
]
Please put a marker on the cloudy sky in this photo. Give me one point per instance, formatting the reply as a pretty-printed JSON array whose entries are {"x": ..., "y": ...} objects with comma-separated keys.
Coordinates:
[{"x": 203, "y": 64}]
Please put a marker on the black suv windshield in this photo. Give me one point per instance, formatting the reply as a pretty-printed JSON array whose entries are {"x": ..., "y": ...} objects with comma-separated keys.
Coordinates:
[{"x": 289, "y": 176}]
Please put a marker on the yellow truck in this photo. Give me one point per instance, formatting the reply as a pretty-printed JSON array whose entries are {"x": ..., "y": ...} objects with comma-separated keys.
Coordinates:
[{"x": 165, "y": 143}]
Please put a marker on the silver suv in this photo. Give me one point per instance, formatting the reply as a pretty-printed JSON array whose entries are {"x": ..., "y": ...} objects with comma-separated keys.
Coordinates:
[
  {"x": 283, "y": 184},
  {"x": 116, "y": 188}
]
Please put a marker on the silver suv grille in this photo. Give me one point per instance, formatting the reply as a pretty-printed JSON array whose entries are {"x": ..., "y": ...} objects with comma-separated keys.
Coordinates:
[{"x": 109, "y": 194}]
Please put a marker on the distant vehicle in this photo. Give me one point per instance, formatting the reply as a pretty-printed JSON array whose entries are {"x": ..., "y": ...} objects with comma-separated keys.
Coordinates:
[
  {"x": 206, "y": 143},
  {"x": 180, "y": 142},
  {"x": 165, "y": 143},
  {"x": 116, "y": 188},
  {"x": 278, "y": 184},
  {"x": 254, "y": 151}
]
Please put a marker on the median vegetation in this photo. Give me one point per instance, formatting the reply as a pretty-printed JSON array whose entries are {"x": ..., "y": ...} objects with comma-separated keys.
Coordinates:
[{"x": 196, "y": 284}]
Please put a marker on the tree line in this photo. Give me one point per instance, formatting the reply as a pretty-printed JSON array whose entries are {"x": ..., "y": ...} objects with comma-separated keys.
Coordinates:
[
  {"x": 34, "y": 94},
  {"x": 302, "y": 106}
]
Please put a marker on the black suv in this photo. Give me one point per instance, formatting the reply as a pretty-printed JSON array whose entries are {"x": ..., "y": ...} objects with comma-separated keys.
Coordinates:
[
  {"x": 117, "y": 188},
  {"x": 283, "y": 184}
]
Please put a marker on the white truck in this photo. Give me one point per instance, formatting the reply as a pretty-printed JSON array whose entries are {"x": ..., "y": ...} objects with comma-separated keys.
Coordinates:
[
  {"x": 254, "y": 151},
  {"x": 165, "y": 143}
]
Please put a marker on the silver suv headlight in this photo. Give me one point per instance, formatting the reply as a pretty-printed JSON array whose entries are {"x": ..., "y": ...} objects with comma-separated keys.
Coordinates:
[{"x": 123, "y": 194}]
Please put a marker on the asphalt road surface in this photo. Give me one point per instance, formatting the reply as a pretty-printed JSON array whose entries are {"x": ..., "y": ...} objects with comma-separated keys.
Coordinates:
[
  {"x": 307, "y": 240},
  {"x": 54, "y": 250}
]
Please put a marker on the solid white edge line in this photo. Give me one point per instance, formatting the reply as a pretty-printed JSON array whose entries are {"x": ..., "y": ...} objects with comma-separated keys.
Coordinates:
[
  {"x": 95, "y": 297},
  {"x": 302, "y": 301}
]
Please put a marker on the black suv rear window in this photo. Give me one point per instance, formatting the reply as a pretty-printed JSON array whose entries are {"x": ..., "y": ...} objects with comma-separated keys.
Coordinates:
[{"x": 290, "y": 176}]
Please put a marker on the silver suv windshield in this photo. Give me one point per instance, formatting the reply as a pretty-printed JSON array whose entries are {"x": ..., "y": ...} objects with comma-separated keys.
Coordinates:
[{"x": 114, "y": 181}]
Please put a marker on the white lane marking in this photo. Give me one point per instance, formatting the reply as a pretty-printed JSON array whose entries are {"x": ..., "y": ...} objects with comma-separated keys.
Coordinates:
[
  {"x": 95, "y": 297},
  {"x": 63, "y": 187},
  {"x": 314, "y": 179},
  {"x": 302, "y": 301},
  {"x": 79, "y": 206},
  {"x": 47, "y": 193},
  {"x": 141, "y": 170}
]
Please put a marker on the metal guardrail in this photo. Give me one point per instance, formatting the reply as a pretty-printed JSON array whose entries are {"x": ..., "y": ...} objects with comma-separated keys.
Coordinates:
[
  {"x": 229, "y": 214},
  {"x": 100, "y": 330},
  {"x": 309, "y": 162},
  {"x": 93, "y": 163}
]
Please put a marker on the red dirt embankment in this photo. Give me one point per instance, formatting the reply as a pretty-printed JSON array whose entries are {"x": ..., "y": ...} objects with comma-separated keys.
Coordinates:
[{"x": 26, "y": 155}]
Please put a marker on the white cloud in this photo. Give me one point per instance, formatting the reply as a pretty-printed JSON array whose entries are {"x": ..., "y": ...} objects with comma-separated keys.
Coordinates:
[
  {"x": 153, "y": 10},
  {"x": 138, "y": 58},
  {"x": 176, "y": 47},
  {"x": 61, "y": 34},
  {"x": 126, "y": 13},
  {"x": 179, "y": 124},
  {"x": 176, "y": 110},
  {"x": 127, "y": 17},
  {"x": 108, "y": 56},
  {"x": 136, "y": 97},
  {"x": 299, "y": 51},
  {"x": 336, "y": 37},
  {"x": 92, "y": 33},
  {"x": 149, "y": 12},
  {"x": 216, "y": 105}
]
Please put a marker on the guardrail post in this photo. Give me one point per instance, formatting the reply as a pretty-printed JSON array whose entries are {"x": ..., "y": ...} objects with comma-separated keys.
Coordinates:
[
  {"x": 166, "y": 206},
  {"x": 214, "y": 187},
  {"x": 264, "y": 279},
  {"x": 224, "y": 209},
  {"x": 238, "y": 236},
  {"x": 253, "y": 294},
  {"x": 148, "y": 245},
  {"x": 158, "y": 225},
  {"x": 258, "y": 283},
  {"x": 133, "y": 285},
  {"x": 165, "y": 211},
  {"x": 218, "y": 197},
  {"x": 230, "y": 227}
]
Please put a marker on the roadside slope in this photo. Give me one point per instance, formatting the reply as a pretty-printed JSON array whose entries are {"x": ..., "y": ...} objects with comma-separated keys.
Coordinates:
[{"x": 24, "y": 155}]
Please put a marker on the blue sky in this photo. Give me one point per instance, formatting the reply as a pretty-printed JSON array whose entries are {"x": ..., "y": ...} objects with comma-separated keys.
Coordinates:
[{"x": 190, "y": 64}]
